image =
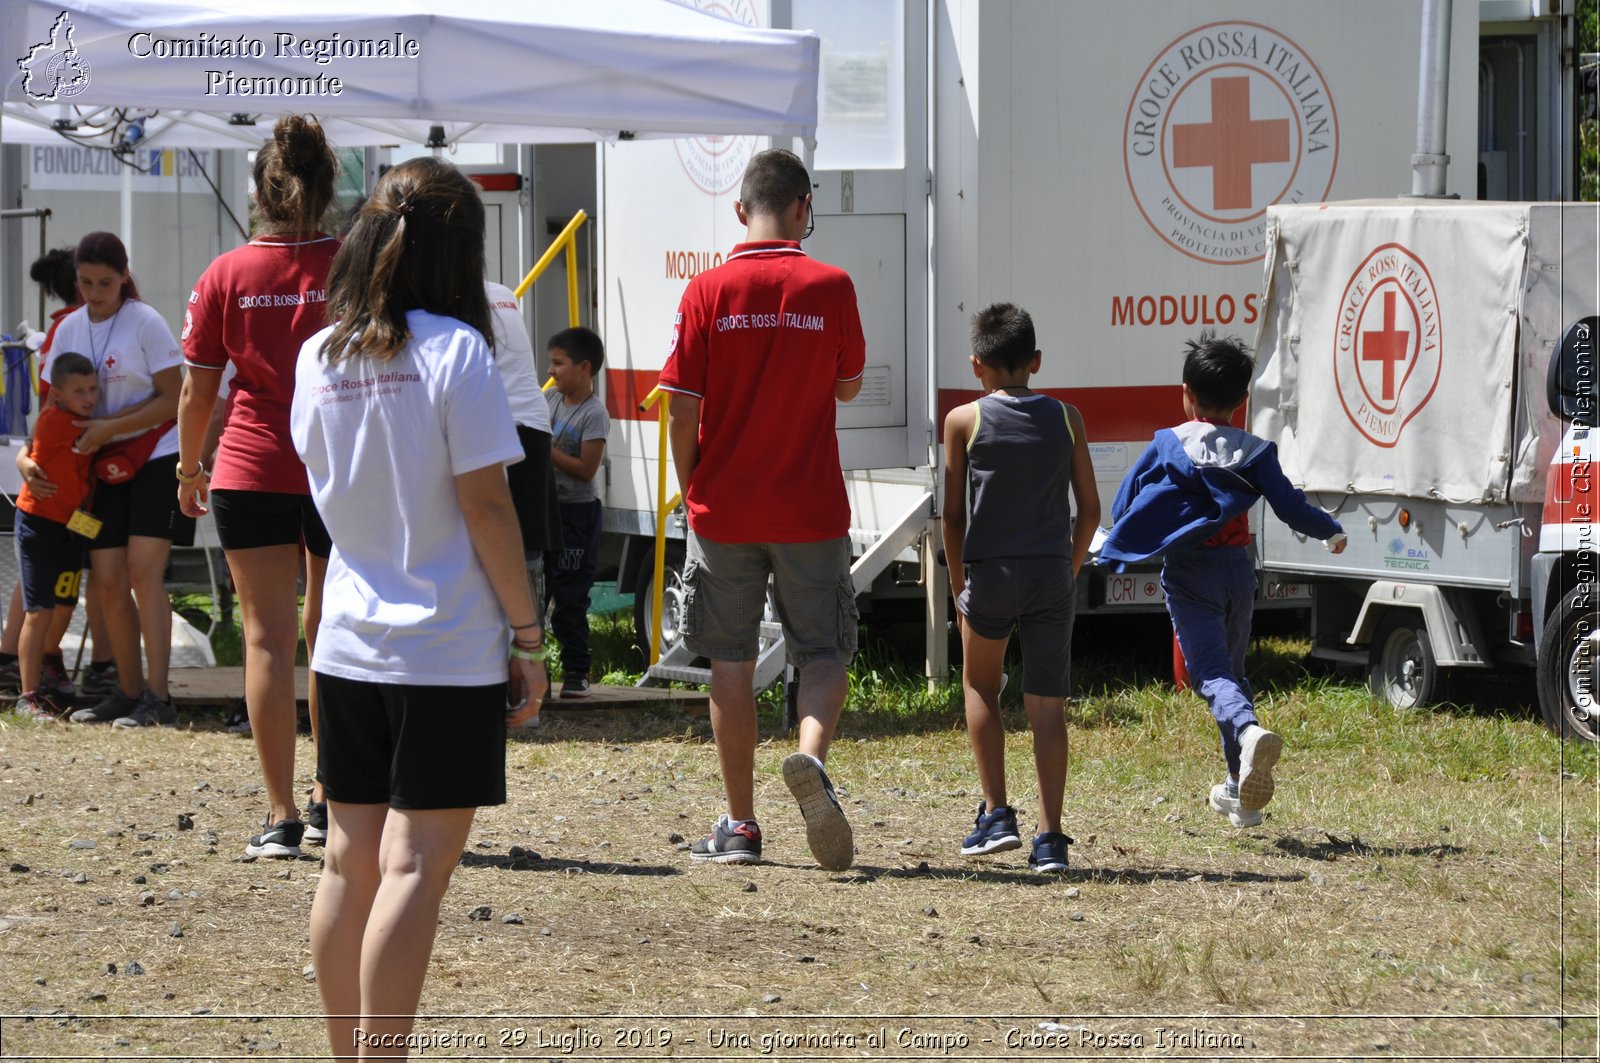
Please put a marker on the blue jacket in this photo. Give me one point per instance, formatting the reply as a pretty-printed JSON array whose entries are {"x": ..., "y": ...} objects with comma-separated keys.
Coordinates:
[{"x": 1190, "y": 481}]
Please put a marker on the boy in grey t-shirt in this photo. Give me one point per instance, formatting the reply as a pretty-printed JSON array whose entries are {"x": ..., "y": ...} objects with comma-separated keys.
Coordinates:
[{"x": 578, "y": 429}]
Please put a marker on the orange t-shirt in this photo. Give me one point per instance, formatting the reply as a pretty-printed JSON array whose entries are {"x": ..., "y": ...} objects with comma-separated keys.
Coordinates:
[{"x": 53, "y": 436}]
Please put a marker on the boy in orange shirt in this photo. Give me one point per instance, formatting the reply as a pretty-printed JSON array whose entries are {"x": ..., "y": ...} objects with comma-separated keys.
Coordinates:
[{"x": 48, "y": 553}]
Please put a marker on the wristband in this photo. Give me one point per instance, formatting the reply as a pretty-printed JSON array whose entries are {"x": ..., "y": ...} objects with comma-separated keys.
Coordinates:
[
  {"x": 524, "y": 627},
  {"x": 189, "y": 478},
  {"x": 529, "y": 655}
]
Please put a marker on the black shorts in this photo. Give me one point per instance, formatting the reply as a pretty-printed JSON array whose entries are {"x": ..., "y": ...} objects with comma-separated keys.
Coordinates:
[
  {"x": 533, "y": 491},
  {"x": 413, "y": 747},
  {"x": 1039, "y": 597},
  {"x": 50, "y": 559},
  {"x": 248, "y": 519},
  {"x": 146, "y": 505}
]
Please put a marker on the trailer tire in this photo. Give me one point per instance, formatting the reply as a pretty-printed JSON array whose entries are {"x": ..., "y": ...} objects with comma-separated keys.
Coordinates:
[
  {"x": 1401, "y": 668},
  {"x": 672, "y": 599},
  {"x": 1566, "y": 669}
]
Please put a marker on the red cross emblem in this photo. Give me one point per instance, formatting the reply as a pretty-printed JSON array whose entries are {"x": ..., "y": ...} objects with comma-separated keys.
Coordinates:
[
  {"x": 1388, "y": 346},
  {"x": 1231, "y": 143}
]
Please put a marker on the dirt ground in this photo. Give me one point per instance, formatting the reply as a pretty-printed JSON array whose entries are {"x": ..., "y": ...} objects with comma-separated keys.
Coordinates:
[{"x": 1364, "y": 918}]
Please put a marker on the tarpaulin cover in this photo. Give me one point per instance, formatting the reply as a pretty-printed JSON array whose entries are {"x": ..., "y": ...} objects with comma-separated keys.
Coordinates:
[{"x": 1387, "y": 352}]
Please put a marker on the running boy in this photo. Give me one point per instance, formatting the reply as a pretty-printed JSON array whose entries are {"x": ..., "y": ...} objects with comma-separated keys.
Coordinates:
[
  {"x": 578, "y": 428},
  {"x": 49, "y": 555},
  {"x": 1187, "y": 499},
  {"x": 1014, "y": 563}
]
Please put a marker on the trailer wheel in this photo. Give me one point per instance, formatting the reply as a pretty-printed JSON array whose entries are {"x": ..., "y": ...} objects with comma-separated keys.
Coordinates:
[
  {"x": 1566, "y": 669},
  {"x": 672, "y": 600},
  {"x": 1401, "y": 668}
]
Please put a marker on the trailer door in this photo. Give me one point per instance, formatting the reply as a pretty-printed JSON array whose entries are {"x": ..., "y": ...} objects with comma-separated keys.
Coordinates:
[{"x": 871, "y": 209}]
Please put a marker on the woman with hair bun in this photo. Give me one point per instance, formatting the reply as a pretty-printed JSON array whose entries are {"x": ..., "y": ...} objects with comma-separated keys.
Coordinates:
[
  {"x": 403, "y": 422},
  {"x": 252, "y": 309}
]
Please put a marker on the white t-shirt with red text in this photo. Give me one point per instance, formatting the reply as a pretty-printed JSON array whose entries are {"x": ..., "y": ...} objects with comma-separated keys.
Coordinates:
[
  {"x": 405, "y": 600},
  {"x": 513, "y": 353},
  {"x": 128, "y": 349}
]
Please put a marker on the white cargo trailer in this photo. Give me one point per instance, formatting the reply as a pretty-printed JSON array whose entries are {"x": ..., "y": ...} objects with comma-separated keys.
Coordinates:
[{"x": 1427, "y": 369}]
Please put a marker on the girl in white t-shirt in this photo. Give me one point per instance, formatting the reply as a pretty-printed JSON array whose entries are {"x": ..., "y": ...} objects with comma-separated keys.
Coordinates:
[
  {"x": 403, "y": 424},
  {"x": 140, "y": 369}
]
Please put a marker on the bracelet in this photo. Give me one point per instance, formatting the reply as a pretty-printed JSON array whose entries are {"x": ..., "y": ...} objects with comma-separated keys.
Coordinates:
[
  {"x": 189, "y": 478},
  {"x": 524, "y": 627},
  {"x": 529, "y": 655}
]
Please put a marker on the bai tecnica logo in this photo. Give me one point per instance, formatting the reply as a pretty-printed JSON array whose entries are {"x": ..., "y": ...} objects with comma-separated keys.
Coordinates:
[{"x": 54, "y": 69}]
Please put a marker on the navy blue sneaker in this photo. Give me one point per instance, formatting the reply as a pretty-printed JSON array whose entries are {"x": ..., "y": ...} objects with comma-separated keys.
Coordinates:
[
  {"x": 1049, "y": 852},
  {"x": 993, "y": 832},
  {"x": 729, "y": 844}
]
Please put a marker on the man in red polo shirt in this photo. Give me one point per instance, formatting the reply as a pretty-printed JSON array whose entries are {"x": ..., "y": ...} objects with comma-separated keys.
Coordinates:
[{"x": 763, "y": 346}]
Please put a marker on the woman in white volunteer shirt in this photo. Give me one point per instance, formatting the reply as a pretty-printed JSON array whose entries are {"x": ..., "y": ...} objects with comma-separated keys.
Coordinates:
[
  {"x": 403, "y": 424},
  {"x": 139, "y": 366}
]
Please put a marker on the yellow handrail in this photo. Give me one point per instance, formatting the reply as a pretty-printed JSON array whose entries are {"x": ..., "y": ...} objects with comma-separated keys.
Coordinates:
[
  {"x": 664, "y": 506},
  {"x": 568, "y": 242}
]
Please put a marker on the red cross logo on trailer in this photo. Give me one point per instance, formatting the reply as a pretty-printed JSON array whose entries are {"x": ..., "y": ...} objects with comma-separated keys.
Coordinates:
[
  {"x": 1231, "y": 143},
  {"x": 1227, "y": 120},
  {"x": 1388, "y": 346}
]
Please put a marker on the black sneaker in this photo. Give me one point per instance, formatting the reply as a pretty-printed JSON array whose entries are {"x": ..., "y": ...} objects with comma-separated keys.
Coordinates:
[
  {"x": 1049, "y": 852},
  {"x": 54, "y": 679},
  {"x": 152, "y": 711},
  {"x": 239, "y": 722},
  {"x": 11, "y": 679},
  {"x": 316, "y": 822},
  {"x": 728, "y": 844},
  {"x": 112, "y": 708},
  {"x": 98, "y": 680},
  {"x": 827, "y": 830},
  {"x": 992, "y": 832},
  {"x": 280, "y": 840},
  {"x": 575, "y": 686}
]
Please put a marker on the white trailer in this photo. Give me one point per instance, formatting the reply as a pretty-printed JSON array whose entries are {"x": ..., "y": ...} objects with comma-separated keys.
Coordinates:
[
  {"x": 1427, "y": 369},
  {"x": 1108, "y": 167}
]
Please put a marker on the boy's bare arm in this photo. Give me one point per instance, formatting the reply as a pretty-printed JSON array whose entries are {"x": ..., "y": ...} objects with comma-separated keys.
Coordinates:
[
  {"x": 585, "y": 465},
  {"x": 1085, "y": 492},
  {"x": 957, "y": 431}
]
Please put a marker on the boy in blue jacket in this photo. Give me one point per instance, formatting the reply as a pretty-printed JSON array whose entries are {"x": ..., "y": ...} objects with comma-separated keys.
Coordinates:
[{"x": 1187, "y": 500}]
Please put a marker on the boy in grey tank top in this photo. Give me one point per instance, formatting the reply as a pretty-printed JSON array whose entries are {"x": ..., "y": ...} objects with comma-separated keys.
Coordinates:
[{"x": 1014, "y": 557}]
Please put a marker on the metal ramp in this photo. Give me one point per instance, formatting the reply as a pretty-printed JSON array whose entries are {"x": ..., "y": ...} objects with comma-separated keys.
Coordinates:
[{"x": 677, "y": 663}]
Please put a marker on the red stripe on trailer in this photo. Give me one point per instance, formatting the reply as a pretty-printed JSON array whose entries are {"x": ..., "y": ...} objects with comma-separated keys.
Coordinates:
[
  {"x": 1110, "y": 414},
  {"x": 625, "y": 389},
  {"x": 497, "y": 182}
]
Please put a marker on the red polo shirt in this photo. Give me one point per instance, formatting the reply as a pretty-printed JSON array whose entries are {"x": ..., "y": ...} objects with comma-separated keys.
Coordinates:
[
  {"x": 255, "y": 306},
  {"x": 761, "y": 340}
]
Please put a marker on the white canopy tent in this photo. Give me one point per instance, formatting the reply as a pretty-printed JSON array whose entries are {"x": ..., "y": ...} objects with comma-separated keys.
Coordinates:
[{"x": 385, "y": 71}]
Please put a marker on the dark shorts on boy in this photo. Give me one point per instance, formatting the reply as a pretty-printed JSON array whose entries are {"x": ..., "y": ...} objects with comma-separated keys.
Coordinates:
[
  {"x": 50, "y": 559},
  {"x": 145, "y": 506},
  {"x": 1038, "y": 596},
  {"x": 250, "y": 519},
  {"x": 726, "y": 597},
  {"x": 411, "y": 747}
]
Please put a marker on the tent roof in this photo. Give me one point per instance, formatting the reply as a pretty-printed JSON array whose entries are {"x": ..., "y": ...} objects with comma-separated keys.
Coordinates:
[{"x": 525, "y": 72}]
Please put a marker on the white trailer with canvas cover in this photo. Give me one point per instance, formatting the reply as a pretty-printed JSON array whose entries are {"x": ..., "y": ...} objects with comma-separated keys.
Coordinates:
[{"x": 1427, "y": 369}]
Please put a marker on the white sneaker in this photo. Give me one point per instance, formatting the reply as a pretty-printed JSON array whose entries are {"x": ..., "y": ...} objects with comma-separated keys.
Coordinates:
[
  {"x": 1229, "y": 806},
  {"x": 1258, "y": 752}
]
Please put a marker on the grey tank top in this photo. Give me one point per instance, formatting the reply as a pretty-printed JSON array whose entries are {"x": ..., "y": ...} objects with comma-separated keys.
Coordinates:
[{"x": 1019, "y": 475}]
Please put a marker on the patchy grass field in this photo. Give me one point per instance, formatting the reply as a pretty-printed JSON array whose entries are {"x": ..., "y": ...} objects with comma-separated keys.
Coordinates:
[{"x": 1424, "y": 885}]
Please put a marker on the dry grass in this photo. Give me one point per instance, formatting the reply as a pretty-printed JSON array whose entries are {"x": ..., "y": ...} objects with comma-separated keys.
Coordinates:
[{"x": 1421, "y": 886}]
